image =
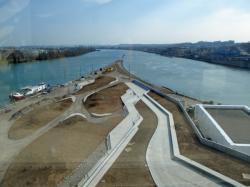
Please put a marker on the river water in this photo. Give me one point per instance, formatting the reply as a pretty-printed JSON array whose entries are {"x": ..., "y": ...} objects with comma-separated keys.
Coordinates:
[{"x": 193, "y": 78}]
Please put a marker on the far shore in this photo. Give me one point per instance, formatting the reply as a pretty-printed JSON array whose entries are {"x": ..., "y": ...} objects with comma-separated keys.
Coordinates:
[{"x": 28, "y": 55}]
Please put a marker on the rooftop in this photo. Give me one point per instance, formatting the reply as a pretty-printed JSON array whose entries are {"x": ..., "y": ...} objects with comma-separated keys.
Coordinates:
[{"x": 235, "y": 122}]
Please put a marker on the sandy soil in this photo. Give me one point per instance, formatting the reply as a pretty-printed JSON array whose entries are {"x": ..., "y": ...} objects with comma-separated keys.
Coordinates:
[
  {"x": 193, "y": 149},
  {"x": 47, "y": 160},
  {"x": 30, "y": 122},
  {"x": 99, "y": 82},
  {"x": 130, "y": 169},
  {"x": 107, "y": 100}
]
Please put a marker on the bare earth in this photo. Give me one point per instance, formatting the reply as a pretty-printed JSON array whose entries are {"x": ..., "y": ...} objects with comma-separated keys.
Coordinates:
[
  {"x": 53, "y": 156},
  {"x": 38, "y": 117},
  {"x": 191, "y": 147},
  {"x": 130, "y": 169},
  {"x": 99, "y": 82},
  {"x": 107, "y": 100}
]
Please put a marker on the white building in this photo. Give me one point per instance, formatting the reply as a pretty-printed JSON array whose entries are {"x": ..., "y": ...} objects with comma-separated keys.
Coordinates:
[{"x": 228, "y": 125}]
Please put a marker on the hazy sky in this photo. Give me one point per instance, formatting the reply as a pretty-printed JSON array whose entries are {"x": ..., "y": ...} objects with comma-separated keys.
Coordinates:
[{"x": 67, "y": 22}]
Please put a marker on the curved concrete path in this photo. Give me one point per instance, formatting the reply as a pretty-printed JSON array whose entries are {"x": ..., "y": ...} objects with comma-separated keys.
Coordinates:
[
  {"x": 164, "y": 170},
  {"x": 119, "y": 137}
]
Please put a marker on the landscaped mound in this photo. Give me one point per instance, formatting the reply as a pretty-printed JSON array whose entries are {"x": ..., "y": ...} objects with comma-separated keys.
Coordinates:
[
  {"x": 99, "y": 82},
  {"x": 107, "y": 100},
  {"x": 39, "y": 116},
  {"x": 54, "y": 155}
]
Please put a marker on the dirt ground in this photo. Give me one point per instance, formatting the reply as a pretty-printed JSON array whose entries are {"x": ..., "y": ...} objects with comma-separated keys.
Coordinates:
[
  {"x": 191, "y": 147},
  {"x": 30, "y": 122},
  {"x": 130, "y": 169},
  {"x": 120, "y": 70},
  {"x": 99, "y": 82},
  {"x": 54, "y": 155},
  {"x": 107, "y": 100}
]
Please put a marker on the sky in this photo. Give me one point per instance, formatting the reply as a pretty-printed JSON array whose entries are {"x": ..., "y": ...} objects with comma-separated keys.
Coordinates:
[{"x": 93, "y": 22}]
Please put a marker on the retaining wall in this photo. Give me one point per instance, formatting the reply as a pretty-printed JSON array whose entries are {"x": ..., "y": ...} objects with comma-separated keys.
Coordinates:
[
  {"x": 199, "y": 135},
  {"x": 217, "y": 177},
  {"x": 117, "y": 139},
  {"x": 212, "y": 130}
]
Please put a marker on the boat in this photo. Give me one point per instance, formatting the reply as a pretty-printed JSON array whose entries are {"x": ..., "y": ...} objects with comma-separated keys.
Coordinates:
[
  {"x": 27, "y": 91},
  {"x": 16, "y": 96}
]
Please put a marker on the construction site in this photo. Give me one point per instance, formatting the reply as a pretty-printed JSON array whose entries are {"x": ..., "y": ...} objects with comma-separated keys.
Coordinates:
[{"x": 113, "y": 129}]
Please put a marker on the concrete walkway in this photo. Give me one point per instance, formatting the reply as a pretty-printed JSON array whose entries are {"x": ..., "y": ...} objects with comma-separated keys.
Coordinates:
[
  {"x": 119, "y": 137},
  {"x": 164, "y": 170}
]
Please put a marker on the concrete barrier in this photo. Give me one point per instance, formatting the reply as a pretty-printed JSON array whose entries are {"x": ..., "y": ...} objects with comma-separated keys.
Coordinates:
[
  {"x": 73, "y": 99},
  {"x": 212, "y": 130},
  {"x": 116, "y": 141},
  {"x": 197, "y": 132},
  {"x": 74, "y": 115},
  {"x": 101, "y": 115},
  {"x": 132, "y": 119},
  {"x": 84, "y": 83},
  {"x": 219, "y": 178},
  {"x": 82, "y": 170},
  {"x": 115, "y": 81}
]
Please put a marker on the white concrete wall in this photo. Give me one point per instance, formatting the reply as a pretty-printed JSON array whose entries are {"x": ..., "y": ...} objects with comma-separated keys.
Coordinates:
[
  {"x": 208, "y": 126},
  {"x": 84, "y": 83},
  {"x": 188, "y": 162},
  {"x": 211, "y": 129},
  {"x": 132, "y": 119},
  {"x": 116, "y": 141}
]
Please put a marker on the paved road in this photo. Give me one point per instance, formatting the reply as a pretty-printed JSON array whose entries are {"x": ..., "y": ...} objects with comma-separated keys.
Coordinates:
[{"x": 164, "y": 170}]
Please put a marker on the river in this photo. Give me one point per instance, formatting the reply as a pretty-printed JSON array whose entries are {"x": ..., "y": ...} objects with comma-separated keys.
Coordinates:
[{"x": 193, "y": 78}]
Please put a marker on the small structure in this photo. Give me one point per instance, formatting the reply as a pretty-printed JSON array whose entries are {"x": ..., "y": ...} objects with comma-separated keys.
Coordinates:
[
  {"x": 84, "y": 82},
  {"x": 228, "y": 125}
]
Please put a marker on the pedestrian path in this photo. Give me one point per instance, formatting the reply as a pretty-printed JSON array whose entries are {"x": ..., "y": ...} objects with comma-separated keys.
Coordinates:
[{"x": 164, "y": 170}]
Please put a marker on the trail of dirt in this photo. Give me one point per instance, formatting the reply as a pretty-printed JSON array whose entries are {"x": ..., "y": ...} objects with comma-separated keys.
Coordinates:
[
  {"x": 38, "y": 117},
  {"x": 54, "y": 155}
]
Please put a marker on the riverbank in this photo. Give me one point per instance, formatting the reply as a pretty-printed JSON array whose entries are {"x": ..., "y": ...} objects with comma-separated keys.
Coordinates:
[
  {"x": 53, "y": 136},
  {"x": 191, "y": 78},
  {"x": 188, "y": 142},
  {"x": 228, "y": 53},
  {"x": 186, "y": 99},
  {"x": 18, "y": 55}
]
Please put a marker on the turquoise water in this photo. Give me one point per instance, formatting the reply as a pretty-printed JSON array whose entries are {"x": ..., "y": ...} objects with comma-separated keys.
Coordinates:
[
  {"x": 58, "y": 71},
  {"x": 193, "y": 78},
  {"x": 197, "y": 79}
]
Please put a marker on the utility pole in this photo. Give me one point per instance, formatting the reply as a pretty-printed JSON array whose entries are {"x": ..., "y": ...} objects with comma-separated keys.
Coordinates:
[
  {"x": 129, "y": 71},
  {"x": 64, "y": 75},
  {"x": 80, "y": 71}
]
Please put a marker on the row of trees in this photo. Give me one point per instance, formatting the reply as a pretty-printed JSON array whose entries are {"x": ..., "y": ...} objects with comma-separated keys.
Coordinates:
[{"x": 27, "y": 55}]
